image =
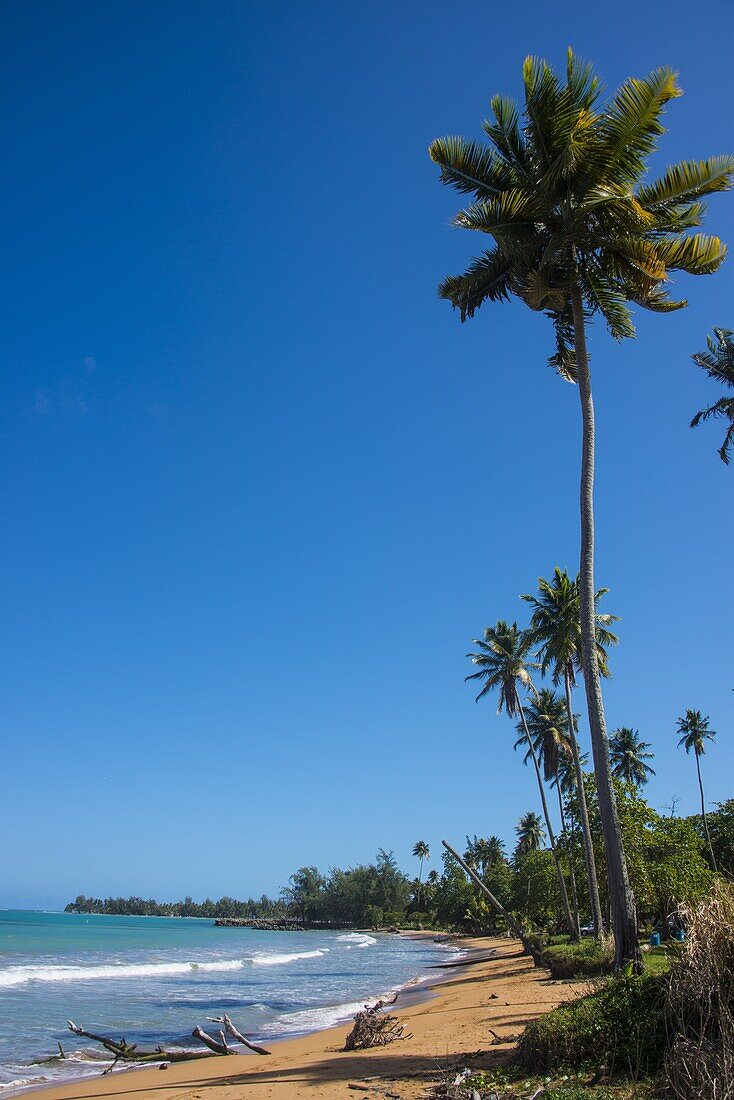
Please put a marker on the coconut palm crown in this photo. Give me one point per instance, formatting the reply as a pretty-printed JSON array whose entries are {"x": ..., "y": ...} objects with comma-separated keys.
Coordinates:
[
  {"x": 547, "y": 723},
  {"x": 555, "y": 626},
  {"x": 501, "y": 662},
  {"x": 628, "y": 754},
  {"x": 530, "y": 833},
  {"x": 718, "y": 362},
  {"x": 562, "y": 193}
]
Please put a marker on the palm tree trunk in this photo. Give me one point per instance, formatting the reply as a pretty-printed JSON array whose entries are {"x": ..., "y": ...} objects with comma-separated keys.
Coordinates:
[
  {"x": 624, "y": 913},
  {"x": 508, "y": 918},
  {"x": 572, "y": 929},
  {"x": 420, "y": 879},
  {"x": 703, "y": 812},
  {"x": 572, "y": 876},
  {"x": 589, "y": 858}
]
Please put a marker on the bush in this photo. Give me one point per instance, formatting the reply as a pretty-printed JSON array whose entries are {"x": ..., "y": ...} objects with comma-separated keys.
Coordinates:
[
  {"x": 620, "y": 1025},
  {"x": 588, "y": 959}
]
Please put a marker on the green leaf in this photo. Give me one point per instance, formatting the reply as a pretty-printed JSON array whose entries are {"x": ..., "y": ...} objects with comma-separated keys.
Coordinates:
[
  {"x": 486, "y": 279},
  {"x": 469, "y": 167},
  {"x": 688, "y": 180},
  {"x": 698, "y": 254},
  {"x": 631, "y": 124}
]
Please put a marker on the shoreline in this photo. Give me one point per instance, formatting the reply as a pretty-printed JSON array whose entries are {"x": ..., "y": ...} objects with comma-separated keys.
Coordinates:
[{"x": 452, "y": 1015}]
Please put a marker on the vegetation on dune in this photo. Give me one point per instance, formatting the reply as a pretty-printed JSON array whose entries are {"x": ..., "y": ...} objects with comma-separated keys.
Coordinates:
[
  {"x": 621, "y": 1026},
  {"x": 677, "y": 1025},
  {"x": 578, "y": 232},
  {"x": 581, "y": 960}
]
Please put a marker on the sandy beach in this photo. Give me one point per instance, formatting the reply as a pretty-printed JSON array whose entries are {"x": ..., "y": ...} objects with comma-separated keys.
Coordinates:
[{"x": 470, "y": 1015}]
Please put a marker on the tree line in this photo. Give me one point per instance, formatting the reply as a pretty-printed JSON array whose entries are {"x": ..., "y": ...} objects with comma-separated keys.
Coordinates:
[{"x": 670, "y": 860}]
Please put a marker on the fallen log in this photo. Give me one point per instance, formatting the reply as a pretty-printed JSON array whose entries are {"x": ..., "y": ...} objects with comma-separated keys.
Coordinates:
[
  {"x": 122, "y": 1051},
  {"x": 512, "y": 924}
]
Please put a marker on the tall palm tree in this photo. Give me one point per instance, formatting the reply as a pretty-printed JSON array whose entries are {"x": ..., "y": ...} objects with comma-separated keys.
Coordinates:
[
  {"x": 547, "y": 721},
  {"x": 577, "y": 234},
  {"x": 628, "y": 755},
  {"x": 530, "y": 834},
  {"x": 421, "y": 851},
  {"x": 502, "y": 663},
  {"x": 695, "y": 732},
  {"x": 718, "y": 362},
  {"x": 555, "y": 626}
]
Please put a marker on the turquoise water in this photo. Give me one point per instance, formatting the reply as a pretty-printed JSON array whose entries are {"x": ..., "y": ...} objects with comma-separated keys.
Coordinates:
[{"x": 152, "y": 979}]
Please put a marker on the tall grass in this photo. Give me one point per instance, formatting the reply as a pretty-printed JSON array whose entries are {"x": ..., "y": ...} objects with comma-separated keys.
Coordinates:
[{"x": 700, "y": 1004}]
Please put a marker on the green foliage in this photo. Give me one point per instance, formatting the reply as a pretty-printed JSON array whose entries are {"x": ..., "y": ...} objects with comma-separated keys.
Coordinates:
[
  {"x": 628, "y": 755},
  {"x": 535, "y": 893},
  {"x": 564, "y": 196},
  {"x": 588, "y": 959},
  {"x": 621, "y": 1025},
  {"x": 665, "y": 856},
  {"x": 718, "y": 362},
  {"x": 721, "y": 831}
]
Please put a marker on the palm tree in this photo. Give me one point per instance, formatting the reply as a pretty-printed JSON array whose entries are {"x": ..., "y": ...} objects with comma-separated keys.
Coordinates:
[
  {"x": 421, "y": 851},
  {"x": 495, "y": 851},
  {"x": 547, "y": 721},
  {"x": 695, "y": 732},
  {"x": 555, "y": 626},
  {"x": 530, "y": 834},
  {"x": 578, "y": 234},
  {"x": 503, "y": 662},
  {"x": 481, "y": 853},
  {"x": 628, "y": 753},
  {"x": 718, "y": 362}
]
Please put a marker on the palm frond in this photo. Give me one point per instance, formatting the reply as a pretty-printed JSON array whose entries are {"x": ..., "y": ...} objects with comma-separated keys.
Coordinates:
[
  {"x": 632, "y": 124},
  {"x": 469, "y": 167},
  {"x": 487, "y": 279},
  {"x": 606, "y": 297},
  {"x": 542, "y": 90},
  {"x": 686, "y": 181},
  {"x": 507, "y": 214},
  {"x": 505, "y": 133},
  {"x": 697, "y": 253}
]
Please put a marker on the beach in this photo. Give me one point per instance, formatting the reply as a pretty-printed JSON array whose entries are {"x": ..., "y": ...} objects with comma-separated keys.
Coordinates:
[{"x": 469, "y": 1015}]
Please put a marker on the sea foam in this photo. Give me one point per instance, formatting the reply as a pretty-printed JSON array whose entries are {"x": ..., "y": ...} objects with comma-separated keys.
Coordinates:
[
  {"x": 357, "y": 939},
  {"x": 20, "y": 975}
]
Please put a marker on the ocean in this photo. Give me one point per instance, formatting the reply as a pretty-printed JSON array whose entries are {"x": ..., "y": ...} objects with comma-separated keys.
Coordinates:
[{"x": 152, "y": 979}]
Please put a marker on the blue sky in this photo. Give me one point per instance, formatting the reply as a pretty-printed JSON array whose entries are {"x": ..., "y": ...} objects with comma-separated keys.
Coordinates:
[{"x": 260, "y": 488}]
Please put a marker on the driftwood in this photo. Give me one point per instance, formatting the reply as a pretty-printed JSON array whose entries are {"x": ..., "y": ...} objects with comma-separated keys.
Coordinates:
[
  {"x": 373, "y": 1027},
  {"x": 122, "y": 1051},
  {"x": 238, "y": 1037}
]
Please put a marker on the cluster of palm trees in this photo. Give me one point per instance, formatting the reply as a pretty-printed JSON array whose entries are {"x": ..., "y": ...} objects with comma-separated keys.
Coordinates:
[
  {"x": 547, "y": 725},
  {"x": 578, "y": 232}
]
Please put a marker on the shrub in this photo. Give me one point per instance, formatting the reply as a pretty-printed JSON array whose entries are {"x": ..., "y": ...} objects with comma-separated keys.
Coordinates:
[
  {"x": 620, "y": 1025},
  {"x": 588, "y": 959}
]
